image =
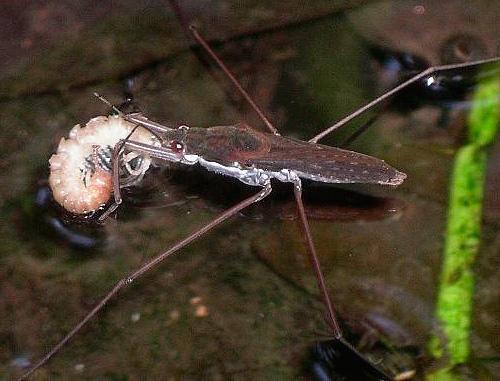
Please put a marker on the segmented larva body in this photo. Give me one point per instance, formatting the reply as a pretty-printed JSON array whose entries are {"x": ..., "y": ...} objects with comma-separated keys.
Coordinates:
[{"x": 80, "y": 179}]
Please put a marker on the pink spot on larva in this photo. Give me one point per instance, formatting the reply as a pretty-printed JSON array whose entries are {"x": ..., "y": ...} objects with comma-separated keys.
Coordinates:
[{"x": 100, "y": 188}]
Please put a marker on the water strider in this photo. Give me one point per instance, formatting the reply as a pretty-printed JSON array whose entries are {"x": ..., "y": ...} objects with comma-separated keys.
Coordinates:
[{"x": 259, "y": 158}]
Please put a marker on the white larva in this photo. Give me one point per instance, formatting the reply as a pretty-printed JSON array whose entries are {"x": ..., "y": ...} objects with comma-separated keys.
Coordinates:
[{"x": 76, "y": 186}]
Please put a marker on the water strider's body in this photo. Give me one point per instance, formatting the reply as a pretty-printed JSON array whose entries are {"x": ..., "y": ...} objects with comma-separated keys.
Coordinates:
[{"x": 255, "y": 157}]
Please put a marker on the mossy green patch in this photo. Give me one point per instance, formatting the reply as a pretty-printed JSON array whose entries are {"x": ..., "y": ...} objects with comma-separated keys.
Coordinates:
[{"x": 463, "y": 234}]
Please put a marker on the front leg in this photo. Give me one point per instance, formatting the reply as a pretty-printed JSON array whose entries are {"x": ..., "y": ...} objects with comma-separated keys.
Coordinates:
[{"x": 140, "y": 149}]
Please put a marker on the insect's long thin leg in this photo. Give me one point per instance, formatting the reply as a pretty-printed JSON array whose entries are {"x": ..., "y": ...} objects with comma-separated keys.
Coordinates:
[
  {"x": 313, "y": 257},
  {"x": 364, "y": 127},
  {"x": 116, "y": 172},
  {"x": 376, "y": 101},
  {"x": 150, "y": 125},
  {"x": 150, "y": 264},
  {"x": 141, "y": 148},
  {"x": 233, "y": 79}
]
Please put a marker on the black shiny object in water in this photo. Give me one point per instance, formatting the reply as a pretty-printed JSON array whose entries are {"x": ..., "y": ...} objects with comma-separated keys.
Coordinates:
[{"x": 337, "y": 360}]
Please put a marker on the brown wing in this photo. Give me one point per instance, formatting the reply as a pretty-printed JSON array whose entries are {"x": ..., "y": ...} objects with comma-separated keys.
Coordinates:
[
  {"x": 250, "y": 148},
  {"x": 323, "y": 163}
]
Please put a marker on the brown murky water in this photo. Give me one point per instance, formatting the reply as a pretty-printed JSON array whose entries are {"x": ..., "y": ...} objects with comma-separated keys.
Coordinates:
[{"x": 249, "y": 279}]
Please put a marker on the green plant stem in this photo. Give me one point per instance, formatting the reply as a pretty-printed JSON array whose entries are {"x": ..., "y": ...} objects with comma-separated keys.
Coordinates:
[{"x": 463, "y": 235}]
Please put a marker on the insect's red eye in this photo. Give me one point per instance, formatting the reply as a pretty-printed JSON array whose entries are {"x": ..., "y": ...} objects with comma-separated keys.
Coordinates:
[{"x": 176, "y": 146}]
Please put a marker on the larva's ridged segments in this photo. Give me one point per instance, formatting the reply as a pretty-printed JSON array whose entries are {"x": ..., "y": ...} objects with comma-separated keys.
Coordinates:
[{"x": 72, "y": 184}]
